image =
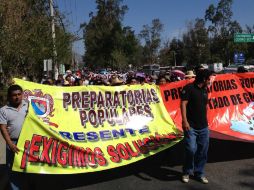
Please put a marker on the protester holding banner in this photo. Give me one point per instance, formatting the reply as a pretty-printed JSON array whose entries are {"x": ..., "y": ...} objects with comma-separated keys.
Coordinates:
[
  {"x": 194, "y": 100},
  {"x": 11, "y": 119}
]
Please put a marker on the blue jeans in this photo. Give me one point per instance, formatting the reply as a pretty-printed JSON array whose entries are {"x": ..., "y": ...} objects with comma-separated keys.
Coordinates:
[
  {"x": 196, "y": 144},
  {"x": 17, "y": 179}
]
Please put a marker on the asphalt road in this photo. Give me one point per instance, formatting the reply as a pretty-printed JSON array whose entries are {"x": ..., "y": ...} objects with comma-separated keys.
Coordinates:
[{"x": 230, "y": 167}]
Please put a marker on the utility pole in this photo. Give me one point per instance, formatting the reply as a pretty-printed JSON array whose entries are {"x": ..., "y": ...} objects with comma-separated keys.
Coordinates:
[
  {"x": 55, "y": 65},
  {"x": 174, "y": 53}
]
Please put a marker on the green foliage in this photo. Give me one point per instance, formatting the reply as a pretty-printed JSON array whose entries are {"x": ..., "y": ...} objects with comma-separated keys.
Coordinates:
[
  {"x": 222, "y": 30},
  {"x": 172, "y": 53},
  {"x": 26, "y": 39},
  {"x": 177, "y": 51},
  {"x": 165, "y": 55},
  {"x": 107, "y": 43},
  {"x": 196, "y": 44},
  {"x": 152, "y": 38},
  {"x": 250, "y": 46}
]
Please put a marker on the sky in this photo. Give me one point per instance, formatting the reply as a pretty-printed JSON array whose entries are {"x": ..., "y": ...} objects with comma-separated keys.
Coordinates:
[{"x": 173, "y": 14}]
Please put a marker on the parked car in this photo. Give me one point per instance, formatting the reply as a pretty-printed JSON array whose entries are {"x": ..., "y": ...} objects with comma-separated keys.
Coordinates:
[{"x": 103, "y": 71}]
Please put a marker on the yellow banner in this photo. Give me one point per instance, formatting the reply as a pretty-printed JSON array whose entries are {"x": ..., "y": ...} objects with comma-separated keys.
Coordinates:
[{"x": 91, "y": 128}]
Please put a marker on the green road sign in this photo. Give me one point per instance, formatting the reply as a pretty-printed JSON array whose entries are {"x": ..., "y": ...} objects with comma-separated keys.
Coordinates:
[{"x": 243, "y": 38}]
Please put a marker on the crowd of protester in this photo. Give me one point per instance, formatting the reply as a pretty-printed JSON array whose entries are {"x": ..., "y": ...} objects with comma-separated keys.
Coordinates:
[{"x": 115, "y": 78}]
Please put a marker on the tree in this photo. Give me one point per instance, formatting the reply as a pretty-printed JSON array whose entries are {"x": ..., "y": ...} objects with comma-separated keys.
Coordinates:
[
  {"x": 107, "y": 43},
  {"x": 165, "y": 55},
  {"x": 152, "y": 38},
  {"x": 172, "y": 53},
  {"x": 196, "y": 44},
  {"x": 250, "y": 46},
  {"x": 177, "y": 51},
  {"x": 25, "y": 37},
  {"x": 132, "y": 47},
  {"x": 222, "y": 29}
]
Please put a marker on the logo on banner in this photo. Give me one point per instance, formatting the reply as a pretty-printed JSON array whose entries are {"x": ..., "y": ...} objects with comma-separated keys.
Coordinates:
[
  {"x": 246, "y": 124},
  {"x": 42, "y": 104}
]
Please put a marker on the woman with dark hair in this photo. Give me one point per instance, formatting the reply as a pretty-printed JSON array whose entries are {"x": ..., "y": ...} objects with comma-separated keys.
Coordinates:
[
  {"x": 131, "y": 80},
  {"x": 162, "y": 80}
]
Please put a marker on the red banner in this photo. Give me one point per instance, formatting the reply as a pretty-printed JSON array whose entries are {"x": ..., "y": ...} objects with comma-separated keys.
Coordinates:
[{"x": 230, "y": 106}]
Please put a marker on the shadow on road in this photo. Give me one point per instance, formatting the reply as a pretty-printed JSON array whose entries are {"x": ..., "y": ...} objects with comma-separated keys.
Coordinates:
[
  {"x": 249, "y": 173},
  {"x": 159, "y": 166},
  {"x": 222, "y": 150}
]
